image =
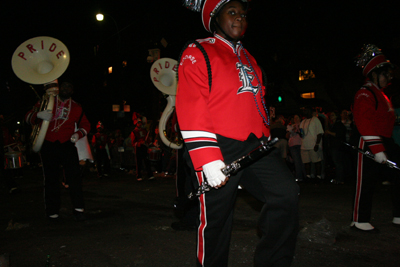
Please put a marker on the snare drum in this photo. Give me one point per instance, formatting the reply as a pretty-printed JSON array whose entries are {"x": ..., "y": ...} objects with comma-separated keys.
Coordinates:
[
  {"x": 13, "y": 160},
  {"x": 154, "y": 153}
]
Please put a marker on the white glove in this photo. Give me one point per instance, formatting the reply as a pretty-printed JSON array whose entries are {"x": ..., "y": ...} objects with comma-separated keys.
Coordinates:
[
  {"x": 213, "y": 172},
  {"x": 380, "y": 157},
  {"x": 45, "y": 115},
  {"x": 74, "y": 137}
]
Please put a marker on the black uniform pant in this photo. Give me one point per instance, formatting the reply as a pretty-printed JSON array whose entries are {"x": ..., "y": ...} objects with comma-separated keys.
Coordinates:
[
  {"x": 186, "y": 208},
  {"x": 270, "y": 181},
  {"x": 369, "y": 174},
  {"x": 103, "y": 162},
  {"x": 54, "y": 155},
  {"x": 141, "y": 159}
]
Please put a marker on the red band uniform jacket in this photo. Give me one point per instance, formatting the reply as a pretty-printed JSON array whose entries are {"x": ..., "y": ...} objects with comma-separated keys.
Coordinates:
[
  {"x": 229, "y": 109},
  {"x": 373, "y": 116},
  {"x": 62, "y": 125}
]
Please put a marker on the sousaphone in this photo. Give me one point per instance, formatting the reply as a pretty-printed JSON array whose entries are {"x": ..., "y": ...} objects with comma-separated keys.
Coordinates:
[
  {"x": 41, "y": 60},
  {"x": 163, "y": 75}
]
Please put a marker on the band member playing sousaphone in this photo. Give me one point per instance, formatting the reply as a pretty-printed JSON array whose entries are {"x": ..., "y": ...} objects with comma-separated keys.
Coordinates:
[
  {"x": 59, "y": 149},
  {"x": 139, "y": 138}
]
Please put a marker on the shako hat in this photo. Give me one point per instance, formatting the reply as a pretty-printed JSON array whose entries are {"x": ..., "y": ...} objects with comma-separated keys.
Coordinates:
[
  {"x": 371, "y": 57},
  {"x": 208, "y": 10},
  {"x": 99, "y": 125}
]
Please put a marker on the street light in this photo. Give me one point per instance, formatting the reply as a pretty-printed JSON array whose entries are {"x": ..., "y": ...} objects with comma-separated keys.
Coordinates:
[
  {"x": 116, "y": 80},
  {"x": 100, "y": 17}
]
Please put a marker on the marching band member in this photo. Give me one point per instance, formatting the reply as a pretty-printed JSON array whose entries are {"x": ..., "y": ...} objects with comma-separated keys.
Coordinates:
[
  {"x": 59, "y": 149},
  {"x": 156, "y": 147},
  {"x": 8, "y": 175},
  {"x": 100, "y": 143},
  {"x": 374, "y": 118},
  {"x": 221, "y": 124},
  {"x": 139, "y": 137}
]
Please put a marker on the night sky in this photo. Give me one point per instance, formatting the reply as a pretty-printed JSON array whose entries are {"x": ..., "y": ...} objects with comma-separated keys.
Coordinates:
[{"x": 324, "y": 36}]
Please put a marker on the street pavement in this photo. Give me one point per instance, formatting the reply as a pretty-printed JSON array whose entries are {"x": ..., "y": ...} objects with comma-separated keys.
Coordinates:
[{"x": 129, "y": 224}]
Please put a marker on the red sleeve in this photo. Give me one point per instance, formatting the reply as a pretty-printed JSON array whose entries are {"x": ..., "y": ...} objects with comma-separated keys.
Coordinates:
[
  {"x": 192, "y": 109},
  {"x": 31, "y": 115},
  {"x": 84, "y": 126}
]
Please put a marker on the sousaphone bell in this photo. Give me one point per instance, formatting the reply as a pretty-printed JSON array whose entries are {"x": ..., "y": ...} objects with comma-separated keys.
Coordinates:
[
  {"x": 41, "y": 60},
  {"x": 163, "y": 75}
]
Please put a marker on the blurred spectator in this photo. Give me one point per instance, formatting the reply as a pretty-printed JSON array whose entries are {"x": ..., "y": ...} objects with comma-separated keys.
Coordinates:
[
  {"x": 344, "y": 117},
  {"x": 311, "y": 146},
  {"x": 336, "y": 135},
  {"x": 295, "y": 147},
  {"x": 278, "y": 129},
  {"x": 324, "y": 122}
]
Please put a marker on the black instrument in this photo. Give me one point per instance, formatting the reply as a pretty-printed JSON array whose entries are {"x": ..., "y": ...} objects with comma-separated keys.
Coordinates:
[
  {"x": 236, "y": 165},
  {"x": 368, "y": 154}
]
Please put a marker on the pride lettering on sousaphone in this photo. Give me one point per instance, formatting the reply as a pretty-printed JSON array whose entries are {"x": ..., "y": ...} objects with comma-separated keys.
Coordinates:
[
  {"x": 41, "y": 60},
  {"x": 163, "y": 74}
]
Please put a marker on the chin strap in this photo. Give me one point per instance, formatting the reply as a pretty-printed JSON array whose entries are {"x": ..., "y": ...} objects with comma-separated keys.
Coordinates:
[{"x": 379, "y": 84}]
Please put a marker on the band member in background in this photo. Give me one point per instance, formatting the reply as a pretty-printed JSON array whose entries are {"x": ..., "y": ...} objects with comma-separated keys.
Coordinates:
[
  {"x": 100, "y": 143},
  {"x": 374, "y": 118},
  {"x": 59, "y": 149},
  {"x": 156, "y": 148},
  {"x": 6, "y": 174},
  {"x": 117, "y": 150},
  {"x": 221, "y": 124},
  {"x": 139, "y": 137}
]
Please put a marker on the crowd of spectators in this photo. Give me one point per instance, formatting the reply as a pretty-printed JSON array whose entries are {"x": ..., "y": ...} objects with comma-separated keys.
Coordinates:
[
  {"x": 315, "y": 144},
  {"x": 336, "y": 163}
]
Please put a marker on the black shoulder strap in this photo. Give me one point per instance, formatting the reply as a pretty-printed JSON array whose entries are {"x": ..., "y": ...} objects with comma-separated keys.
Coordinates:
[
  {"x": 203, "y": 51},
  {"x": 372, "y": 92},
  {"x": 80, "y": 118}
]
